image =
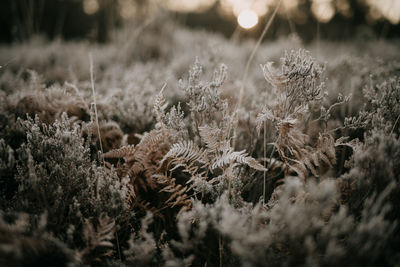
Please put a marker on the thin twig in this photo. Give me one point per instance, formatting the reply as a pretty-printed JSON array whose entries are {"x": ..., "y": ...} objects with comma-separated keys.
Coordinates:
[
  {"x": 394, "y": 126},
  {"x": 94, "y": 101},
  {"x": 236, "y": 114},
  {"x": 118, "y": 247},
  {"x": 96, "y": 117},
  {"x": 221, "y": 250},
  {"x": 229, "y": 180},
  {"x": 318, "y": 39},
  {"x": 239, "y": 105},
  {"x": 235, "y": 35},
  {"x": 265, "y": 159}
]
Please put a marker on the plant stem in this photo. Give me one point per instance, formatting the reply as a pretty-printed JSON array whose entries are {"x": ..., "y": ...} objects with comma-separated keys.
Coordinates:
[
  {"x": 394, "y": 126},
  {"x": 221, "y": 250},
  {"x": 265, "y": 160},
  {"x": 246, "y": 71},
  {"x": 97, "y": 118}
]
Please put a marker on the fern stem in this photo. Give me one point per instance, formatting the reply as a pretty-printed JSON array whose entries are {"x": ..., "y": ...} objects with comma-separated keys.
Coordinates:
[
  {"x": 221, "y": 250},
  {"x": 229, "y": 182},
  {"x": 265, "y": 160},
  {"x": 118, "y": 247},
  {"x": 394, "y": 126},
  {"x": 229, "y": 187}
]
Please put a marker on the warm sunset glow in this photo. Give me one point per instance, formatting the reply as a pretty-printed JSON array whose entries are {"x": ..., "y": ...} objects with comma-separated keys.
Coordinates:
[
  {"x": 127, "y": 8},
  {"x": 235, "y": 7},
  {"x": 323, "y": 10},
  {"x": 90, "y": 7},
  {"x": 389, "y": 9},
  {"x": 188, "y": 5},
  {"x": 247, "y": 19}
]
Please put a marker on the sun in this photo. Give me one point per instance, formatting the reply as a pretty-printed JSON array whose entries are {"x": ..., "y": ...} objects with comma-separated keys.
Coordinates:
[{"x": 247, "y": 19}]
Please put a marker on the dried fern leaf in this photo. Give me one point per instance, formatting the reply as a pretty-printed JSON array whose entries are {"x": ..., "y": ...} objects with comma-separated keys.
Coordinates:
[
  {"x": 123, "y": 152},
  {"x": 229, "y": 156},
  {"x": 105, "y": 231},
  {"x": 186, "y": 151},
  {"x": 214, "y": 138},
  {"x": 160, "y": 106},
  {"x": 101, "y": 237}
]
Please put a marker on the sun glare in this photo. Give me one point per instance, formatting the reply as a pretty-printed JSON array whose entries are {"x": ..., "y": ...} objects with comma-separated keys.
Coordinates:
[
  {"x": 90, "y": 7},
  {"x": 188, "y": 5},
  {"x": 247, "y": 19}
]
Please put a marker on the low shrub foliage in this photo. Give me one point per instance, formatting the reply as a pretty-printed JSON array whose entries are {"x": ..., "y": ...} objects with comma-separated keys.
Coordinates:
[{"x": 305, "y": 172}]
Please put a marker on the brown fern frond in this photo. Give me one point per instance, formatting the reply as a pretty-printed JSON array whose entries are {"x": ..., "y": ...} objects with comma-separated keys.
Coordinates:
[
  {"x": 179, "y": 190},
  {"x": 309, "y": 163},
  {"x": 272, "y": 76},
  {"x": 177, "y": 193},
  {"x": 159, "y": 107},
  {"x": 215, "y": 138},
  {"x": 98, "y": 239},
  {"x": 186, "y": 151},
  {"x": 300, "y": 169},
  {"x": 142, "y": 167},
  {"x": 229, "y": 156},
  {"x": 152, "y": 140},
  {"x": 266, "y": 115},
  {"x": 131, "y": 196},
  {"x": 105, "y": 231},
  {"x": 254, "y": 164},
  {"x": 123, "y": 152},
  {"x": 326, "y": 145},
  {"x": 309, "y": 158}
]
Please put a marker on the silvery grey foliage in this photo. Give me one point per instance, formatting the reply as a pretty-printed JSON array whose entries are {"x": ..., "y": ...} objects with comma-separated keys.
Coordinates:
[
  {"x": 180, "y": 194},
  {"x": 384, "y": 99},
  {"x": 55, "y": 169},
  {"x": 24, "y": 241},
  {"x": 303, "y": 226},
  {"x": 7, "y": 171},
  {"x": 142, "y": 245},
  {"x": 56, "y": 176}
]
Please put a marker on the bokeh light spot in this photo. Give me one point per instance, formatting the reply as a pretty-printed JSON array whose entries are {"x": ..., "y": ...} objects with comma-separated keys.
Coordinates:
[
  {"x": 389, "y": 9},
  {"x": 247, "y": 19},
  {"x": 323, "y": 10},
  {"x": 188, "y": 5},
  {"x": 90, "y": 7}
]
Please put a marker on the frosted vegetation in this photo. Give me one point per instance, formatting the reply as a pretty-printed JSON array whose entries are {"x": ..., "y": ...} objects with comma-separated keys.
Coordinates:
[{"x": 176, "y": 169}]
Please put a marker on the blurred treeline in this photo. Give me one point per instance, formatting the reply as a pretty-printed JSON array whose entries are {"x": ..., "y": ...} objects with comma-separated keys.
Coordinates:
[
  {"x": 68, "y": 19},
  {"x": 20, "y": 19}
]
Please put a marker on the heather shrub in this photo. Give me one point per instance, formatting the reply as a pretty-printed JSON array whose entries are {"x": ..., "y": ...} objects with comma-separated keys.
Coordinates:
[
  {"x": 56, "y": 176},
  {"x": 25, "y": 242},
  {"x": 166, "y": 166}
]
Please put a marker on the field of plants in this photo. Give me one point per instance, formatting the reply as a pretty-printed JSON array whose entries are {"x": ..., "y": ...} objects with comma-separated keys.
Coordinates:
[{"x": 177, "y": 147}]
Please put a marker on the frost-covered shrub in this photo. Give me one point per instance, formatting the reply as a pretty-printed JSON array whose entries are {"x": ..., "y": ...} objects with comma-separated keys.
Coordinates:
[
  {"x": 304, "y": 226},
  {"x": 24, "y": 241},
  {"x": 384, "y": 101},
  {"x": 174, "y": 186},
  {"x": 142, "y": 246},
  {"x": 7, "y": 172},
  {"x": 375, "y": 166},
  {"x": 55, "y": 175}
]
